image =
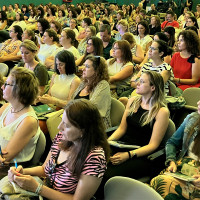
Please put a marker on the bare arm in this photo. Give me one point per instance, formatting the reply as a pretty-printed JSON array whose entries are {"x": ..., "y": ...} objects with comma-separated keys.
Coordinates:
[
  {"x": 135, "y": 78},
  {"x": 139, "y": 57},
  {"x": 124, "y": 73},
  {"x": 3, "y": 25},
  {"x": 10, "y": 57},
  {"x": 165, "y": 74}
]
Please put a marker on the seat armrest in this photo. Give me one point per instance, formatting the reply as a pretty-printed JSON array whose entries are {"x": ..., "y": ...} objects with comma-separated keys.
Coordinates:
[
  {"x": 157, "y": 154},
  {"x": 110, "y": 130}
]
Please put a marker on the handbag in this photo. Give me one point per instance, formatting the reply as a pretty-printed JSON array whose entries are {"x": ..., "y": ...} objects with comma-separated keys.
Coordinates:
[{"x": 11, "y": 191}]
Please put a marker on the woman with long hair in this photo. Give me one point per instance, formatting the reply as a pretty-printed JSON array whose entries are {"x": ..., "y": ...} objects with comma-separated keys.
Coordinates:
[
  {"x": 155, "y": 26},
  {"x": 169, "y": 31},
  {"x": 3, "y": 20},
  {"x": 143, "y": 124},
  {"x": 95, "y": 86},
  {"x": 185, "y": 141},
  {"x": 185, "y": 63},
  {"x": 77, "y": 159}
]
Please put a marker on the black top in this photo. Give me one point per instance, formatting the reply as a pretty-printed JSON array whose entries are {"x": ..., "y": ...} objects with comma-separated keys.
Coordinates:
[
  {"x": 154, "y": 30},
  {"x": 82, "y": 97},
  {"x": 135, "y": 133}
]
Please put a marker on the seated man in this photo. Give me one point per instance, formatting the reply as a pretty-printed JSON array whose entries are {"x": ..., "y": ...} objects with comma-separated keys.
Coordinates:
[{"x": 170, "y": 20}]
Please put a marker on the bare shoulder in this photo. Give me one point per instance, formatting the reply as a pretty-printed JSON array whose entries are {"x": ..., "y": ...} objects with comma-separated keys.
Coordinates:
[
  {"x": 162, "y": 113},
  {"x": 3, "y": 108}
]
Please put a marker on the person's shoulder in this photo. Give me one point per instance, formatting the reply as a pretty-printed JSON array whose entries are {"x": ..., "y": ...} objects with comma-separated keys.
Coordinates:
[{"x": 163, "y": 112}]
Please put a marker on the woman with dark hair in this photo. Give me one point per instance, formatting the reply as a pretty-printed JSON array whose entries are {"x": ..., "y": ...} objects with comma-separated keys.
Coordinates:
[
  {"x": 31, "y": 22},
  {"x": 77, "y": 159},
  {"x": 42, "y": 25},
  {"x": 73, "y": 26},
  {"x": 86, "y": 22},
  {"x": 107, "y": 16},
  {"x": 94, "y": 47},
  {"x": 157, "y": 51},
  {"x": 30, "y": 35},
  {"x": 18, "y": 122},
  {"x": 56, "y": 26},
  {"x": 3, "y": 20},
  {"x": 185, "y": 141},
  {"x": 95, "y": 86},
  {"x": 25, "y": 11},
  {"x": 29, "y": 52},
  {"x": 72, "y": 15},
  {"x": 120, "y": 67},
  {"x": 51, "y": 14},
  {"x": 49, "y": 46},
  {"x": 64, "y": 82},
  {"x": 19, "y": 20},
  {"x": 40, "y": 12},
  {"x": 169, "y": 31},
  {"x": 155, "y": 26},
  {"x": 143, "y": 38},
  {"x": 192, "y": 21},
  {"x": 61, "y": 17},
  {"x": 185, "y": 63}
]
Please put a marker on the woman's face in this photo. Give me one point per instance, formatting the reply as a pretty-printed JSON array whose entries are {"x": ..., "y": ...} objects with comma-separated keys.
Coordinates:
[
  {"x": 121, "y": 28},
  {"x": 60, "y": 13},
  {"x": 69, "y": 131},
  {"x": 12, "y": 33},
  {"x": 116, "y": 51},
  {"x": 60, "y": 66},
  {"x": 88, "y": 32},
  {"x": 83, "y": 24},
  {"x": 46, "y": 38},
  {"x": 90, "y": 47},
  {"x": 63, "y": 38},
  {"x": 141, "y": 29},
  {"x": 154, "y": 51},
  {"x": 72, "y": 24},
  {"x": 39, "y": 26},
  {"x": 181, "y": 43},
  {"x": 25, "y": 36},
  {"x": 53, "y": 26},
  {"x": 143, "y": 85},
  {"x": 8, "y": 88},
  {"x": 153, "y": 21},
  {"x": 27, "y": 55},
  {"x": 88, "y": 70},
  {"x": 190, "y": 22},
  {"x": 17, "y": 17}
]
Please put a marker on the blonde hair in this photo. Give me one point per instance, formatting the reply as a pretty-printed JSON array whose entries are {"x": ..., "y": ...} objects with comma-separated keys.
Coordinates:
[
  {"x": 124, "y": 23},
  {"x": 156, "y": 101}
]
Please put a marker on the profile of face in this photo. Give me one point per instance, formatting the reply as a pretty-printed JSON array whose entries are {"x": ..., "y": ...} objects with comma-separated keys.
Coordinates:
[
  {"x": 27, "y": 55},
  {"x": 88, "y": 70},
  {"x": 60, "y": 66},
  {"x": 17, "y": 17},
  {"x": 47, "y": 39},
  {"x": 141, "y": 29},
  {"x": 143, "y": 85},
  {"x": 181, "y": 43},
  {"x": 169, "y": 18},
  {"x": 190, "y": 23},
  {"x": 116, "y": 51},
  {"x": 69, "y": 131},
  {"x": 72, "y": 24},
  {"x": 88, "y": 32},
  {"x": 154, "y": 51},
  {"x": 53, "y": 26},
  {"x": 105, "y": 37},
  {"x": 63, "y": 38},
  {"x": 8, "y": 88},
  {"x": 153, "y": 21},
  {"x": 39, "y": 26},
  {"x": 90, "y": 47}
]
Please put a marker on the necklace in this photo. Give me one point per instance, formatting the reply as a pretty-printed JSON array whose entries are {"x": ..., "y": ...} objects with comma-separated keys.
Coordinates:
[{"x": 18, "y": 110}]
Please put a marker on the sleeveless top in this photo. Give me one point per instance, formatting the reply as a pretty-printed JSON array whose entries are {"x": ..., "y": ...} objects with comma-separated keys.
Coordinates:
[
  {"x": 61, "y": 87},
  {"x": 7, "y": 132},
  {"x": 135, "y": 133},
  {"x": 82, "y": 97}
]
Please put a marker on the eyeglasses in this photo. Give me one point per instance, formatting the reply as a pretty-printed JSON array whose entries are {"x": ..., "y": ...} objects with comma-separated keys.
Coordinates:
[
  {"x": 115, "y": 48},
  {"x": 152, "y": 48},
  {"x": 5, "y": 84}
]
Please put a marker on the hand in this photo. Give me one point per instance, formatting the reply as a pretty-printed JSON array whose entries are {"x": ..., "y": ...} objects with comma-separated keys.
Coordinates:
[
  {"x": 197, "y": 181},
  {"x": 47, "y": 99},
  {"x": 119, "y": 158},
  {"x": 14, "y": 172},
  {"x": 2, "y": 160},
  {"x": 172, "y": 167},
  {"x": 26, "y": 182}
]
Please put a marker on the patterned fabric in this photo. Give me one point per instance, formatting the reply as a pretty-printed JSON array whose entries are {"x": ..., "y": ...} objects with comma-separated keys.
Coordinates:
[
  {"x": 62, "y": 179},
  {"x": 164, "y": 66}
]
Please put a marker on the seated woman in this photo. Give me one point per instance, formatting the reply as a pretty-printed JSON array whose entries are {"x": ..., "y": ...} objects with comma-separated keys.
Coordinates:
[
  {"x": 3, "y": 20},
  {"x": 120, "y": 68},
  {"x": 42, "y": 25},
  {"x": 185, "y": 63},
  {"x": 185, "y": 140},
  {"x": 30, "y": 61},
  {"x": 144, "y": 124},
  {"x": 77, "y": 159},
  {"x": 94, "y": 47},
  {"x": 68, "y": 42},
  {"x": 169, "y": 31},
  {"x": 49, "y": 46},
  {"x": 143, "y": 38},
  {"x": 29, "y": 35},
  {"x": 64, "y": 82},
  {"x": 157, "y": 51},
  {"x": 19, "y": 130},
  {"x": 89, "y": 31},
  {"x": 122, "y": 27},
  {"x": 155, "y": 26},
  {"x": 95, "y": 86},
  {"x": 136, "y": 49}
]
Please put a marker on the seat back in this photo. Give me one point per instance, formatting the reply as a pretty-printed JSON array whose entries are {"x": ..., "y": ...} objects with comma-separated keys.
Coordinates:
[
  {"x": 39, "y": 150},
  {"x": 119, "y": 188},
  {"x": 116, "y": 112},
  {"x": 191, "y": 96}
]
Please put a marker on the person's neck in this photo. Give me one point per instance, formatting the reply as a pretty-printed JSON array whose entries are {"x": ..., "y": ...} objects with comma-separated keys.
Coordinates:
[
  {"x": 31, "y": 65},
  {"x": 119, "y": 60},
  {"x": 17, "y": 107},
  {"x": 145, "y": 101},
  {"x": 185, "y": 54},
  {"x": 67, "y": 45},
  {"x": 141, "y": 35},
  {"x": 50, "y": 43},
  {"x": 157, "y": 62},
  {"x": 14, "y": 39}
]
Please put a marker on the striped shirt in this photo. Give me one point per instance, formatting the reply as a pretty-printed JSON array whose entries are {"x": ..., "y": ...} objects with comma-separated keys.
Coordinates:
[
  {"x": 62, "y": 179},
  {"x": 164, "y": 66}
]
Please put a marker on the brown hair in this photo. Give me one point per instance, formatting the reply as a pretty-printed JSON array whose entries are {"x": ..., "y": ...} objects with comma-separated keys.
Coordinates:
[
  {"x": 25, "y": 85},
  {"x": 82, "y": 114}
]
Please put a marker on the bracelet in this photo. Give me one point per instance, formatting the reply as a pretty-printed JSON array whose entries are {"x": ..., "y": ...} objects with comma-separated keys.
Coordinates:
[
  {"x": 129, "y": 154},
  {"x": 39, "y": 189}
]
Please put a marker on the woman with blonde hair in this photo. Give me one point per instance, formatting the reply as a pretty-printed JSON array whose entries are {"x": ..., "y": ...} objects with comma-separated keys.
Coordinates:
[
  {"x": 155, "y": 26},
  {"x": 122, "y": 27}
]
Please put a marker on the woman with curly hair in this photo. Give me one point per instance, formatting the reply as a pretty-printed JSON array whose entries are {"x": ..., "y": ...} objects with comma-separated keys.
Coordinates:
[
  {"x": 95, "y": 86},
  {"x": 185, "y": 63}
]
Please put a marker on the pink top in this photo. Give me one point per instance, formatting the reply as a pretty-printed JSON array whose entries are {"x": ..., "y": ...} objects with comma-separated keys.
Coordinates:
[
  {"x": 62, "y": 179},
  {"x": 182, "y": 69}
]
